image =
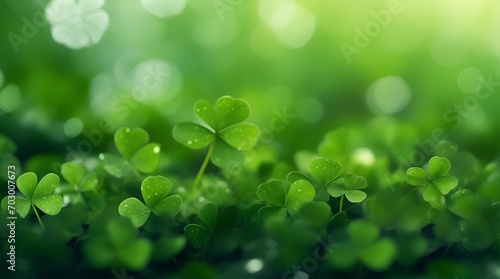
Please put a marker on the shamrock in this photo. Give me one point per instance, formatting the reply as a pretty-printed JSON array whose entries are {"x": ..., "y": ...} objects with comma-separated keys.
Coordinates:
[
  {"x": 154, "y": 192},
  {"x": 132, "y": 143},
  {"x": 225, "y": 135},
  {"x": 350, "y": 189},
  {"x": 40, "y": 195},
  {"x": 322, "y": 173},
  {"x": 364, "y": 244},
  {"x": 210, "y": 223},
  {"x": 437, "y": 181},
  {"x": 279, "y": 202},
  {"x": 120, "y": 243},
  {"x": 81, "y": 186},
  {"x": 461, "y": 220}
]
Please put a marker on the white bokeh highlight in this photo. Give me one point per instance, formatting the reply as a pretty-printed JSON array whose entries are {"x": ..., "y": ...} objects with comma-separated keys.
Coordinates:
[
  {"x": 164, "y": 8},
  {"x": 77, "y": 23},
  {"x": 388, "y": 95}
]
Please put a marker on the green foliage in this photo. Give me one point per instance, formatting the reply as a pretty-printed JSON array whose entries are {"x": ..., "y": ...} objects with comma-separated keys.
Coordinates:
[
  {"x": 40, "y": 194},
  {"x": 210, "y": 223},
  {"x": 279, "y": 203},
  {"x": 120, "y": 243},
  {"x": 226, "y": 133},
  {"x": 350, "y": 188},
  {"x": 437, "y": 182},
  {"x": 365, "y": 244},
  {"x": 133, "y": 144},
  {"x": 155, "y": 190}
]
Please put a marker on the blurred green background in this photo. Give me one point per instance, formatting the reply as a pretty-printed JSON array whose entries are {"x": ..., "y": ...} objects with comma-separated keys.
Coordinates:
[{"x": 326, "y": 64}]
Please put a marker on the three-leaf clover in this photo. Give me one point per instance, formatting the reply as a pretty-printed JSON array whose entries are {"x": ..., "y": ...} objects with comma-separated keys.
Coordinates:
[
  {"x": 437, "y": 181},
  {"x": 154, "y": 192},
  {"x": 279, "y": 202},
  {"x": 40, "y": 194},
  {"x": 322, "y": 171},
  {"x": 132, "y": 143},
  {"x": 226, "y": 135},
  {"x": 350, "y": 188},
  {"x": 210, "y": 222},
  {"x": 81, "y": 186},
  {"x": 120, "y": 243},
  {"x": 365, "y": 245}
]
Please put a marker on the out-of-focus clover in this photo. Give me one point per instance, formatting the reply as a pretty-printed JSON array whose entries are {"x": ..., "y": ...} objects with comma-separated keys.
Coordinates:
[{"x": 279, "y": 202}]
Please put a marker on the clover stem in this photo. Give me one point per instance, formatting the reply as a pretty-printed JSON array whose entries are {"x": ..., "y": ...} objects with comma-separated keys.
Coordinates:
[
  {"x": 38, "y": 217},
  {"x": 341, "y": 203},
  {"x": 203, "y": 166},
  {"x": 206, "y": 248},
  {"x": 447, "y": 248}
]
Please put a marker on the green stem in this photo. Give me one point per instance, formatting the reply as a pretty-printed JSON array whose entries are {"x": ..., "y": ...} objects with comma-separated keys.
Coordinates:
[
  {"x": 203, "y": 166},
  {"x": 447, "y": 248},
  {"x": 38, "y": 217},
  {"x": 206, "y": 248},
  {"x": 341, "y": 203}
]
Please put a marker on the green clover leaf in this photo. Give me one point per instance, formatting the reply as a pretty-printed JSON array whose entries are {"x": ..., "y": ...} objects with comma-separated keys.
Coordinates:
[
  {"x": 350, "y": 188},
  {"x": 279, "y": 203},
  {"x": 437, "y": 181},
  {"x": 210, "y": 223},
  {"x": 227, "y": 135},
  {"x": 322, "y": 172},
  {"x": 154, "y": 191},
  {"x": 365, "y": 244},
  {"x": 40, "y": 195},
  {"x": 81, "y": 187},
  {"x": 121, "y": 242},
  {"x": 132, "y": 144}
]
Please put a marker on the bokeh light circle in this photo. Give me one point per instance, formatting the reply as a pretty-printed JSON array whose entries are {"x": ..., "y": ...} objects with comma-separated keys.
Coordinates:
[
  {"x": 469, "y": 80},
  {"x": 388, "y": 95}
]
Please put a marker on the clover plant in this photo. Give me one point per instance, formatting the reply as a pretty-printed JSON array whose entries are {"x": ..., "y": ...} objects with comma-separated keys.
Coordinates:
[
  {"x": 324, "y": 174},
  {"x": 120, "y": 243},
  {"x": 365, "y": 244},
  {"x": 436, "y": 181},
  {"x": 226, "y": 135},
  {"x": 155, "y": 190},
  {"x": 244, "y": 219},
  {"x": 133, "y": 144},
  {"x": 210, "y": 223},
  {"x": 81, "y": 187},
  {"x": 37, "y": 194},
  {"x": 279, "y": 202}
]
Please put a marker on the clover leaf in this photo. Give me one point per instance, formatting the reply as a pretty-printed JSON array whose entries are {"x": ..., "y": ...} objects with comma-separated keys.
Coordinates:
[
  {"x": 364, "y": 244},
  {"x": 210, "y": 222},
  {"x": 350, "y": 188},
  {"x": 437, "y": 181},
  {"x": 154, "y": 192},
  {"x": 322, "y": 172},
  {"x": 133, "y": 144},
  {"x": 81, "y": 186},
  {"x": 119, "y": 243},
  {"x": 226, "y": 135},
  {"x": 36, "y": 195},
  {"x": 279, "y": 203}
]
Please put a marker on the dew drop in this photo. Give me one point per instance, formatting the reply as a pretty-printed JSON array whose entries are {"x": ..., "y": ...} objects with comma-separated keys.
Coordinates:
[
  {"x": 190, "y": 142},
  {"x": 127, "y": 130}
]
